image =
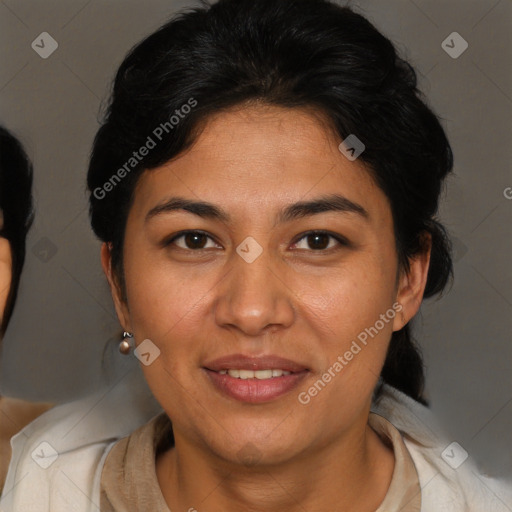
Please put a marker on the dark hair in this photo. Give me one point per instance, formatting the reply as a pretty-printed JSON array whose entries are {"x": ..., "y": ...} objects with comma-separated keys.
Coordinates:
[
  {"x": 16, "y": 204},
  {"x": 294, "y": 54}
]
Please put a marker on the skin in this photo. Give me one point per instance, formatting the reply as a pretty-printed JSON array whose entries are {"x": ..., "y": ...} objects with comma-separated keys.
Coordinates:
[
  {"x": 298, "y": 302},
  {"x": 5, "y": 271}
]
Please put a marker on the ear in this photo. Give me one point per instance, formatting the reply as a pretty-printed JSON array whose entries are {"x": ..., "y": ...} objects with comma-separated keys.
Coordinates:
[
  {"x": 411, "y": 284},
  {"x": 121, "y": 307}
]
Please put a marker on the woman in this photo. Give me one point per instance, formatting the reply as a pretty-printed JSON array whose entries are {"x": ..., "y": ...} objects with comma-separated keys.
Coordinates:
[
  {"x": 15, "y": 220},
  {"x": 266, "y": 183}
]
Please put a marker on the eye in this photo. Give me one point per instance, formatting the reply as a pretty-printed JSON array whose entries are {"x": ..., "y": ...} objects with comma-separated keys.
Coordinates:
[
  {"x": 320, "y": 241},
  {"x": 313, "y": 241},
  {"x": 191, "y": 240}
]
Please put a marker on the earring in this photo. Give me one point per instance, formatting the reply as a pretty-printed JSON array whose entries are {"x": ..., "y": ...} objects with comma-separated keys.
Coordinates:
[{"x": 125, "y": 345}]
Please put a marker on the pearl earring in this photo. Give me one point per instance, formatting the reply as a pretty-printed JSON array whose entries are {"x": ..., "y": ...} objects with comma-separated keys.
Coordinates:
[{"x": 125, "y": 345}]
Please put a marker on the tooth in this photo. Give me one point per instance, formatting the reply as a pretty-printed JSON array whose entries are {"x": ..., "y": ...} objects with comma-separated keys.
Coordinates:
[
  {"x": 258, "y": 374},
  {"x": 263, "y": 374}
]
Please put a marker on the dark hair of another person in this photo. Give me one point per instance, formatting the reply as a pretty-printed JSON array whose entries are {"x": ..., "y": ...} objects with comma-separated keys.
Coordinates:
[
  {"x": 310, "y": 54},
  {"x": 16, "y": 204}
]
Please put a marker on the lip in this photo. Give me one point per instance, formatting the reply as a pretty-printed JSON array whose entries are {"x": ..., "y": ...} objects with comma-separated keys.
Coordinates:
[
  {"x": 264, "y": 362},
  {"x": 254, "y": 391}
]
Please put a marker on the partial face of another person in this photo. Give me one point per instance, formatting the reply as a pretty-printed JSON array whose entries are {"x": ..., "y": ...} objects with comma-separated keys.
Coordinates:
[
  {"x": 258, "y": 283},
  {"x": 5, "y": 270}
]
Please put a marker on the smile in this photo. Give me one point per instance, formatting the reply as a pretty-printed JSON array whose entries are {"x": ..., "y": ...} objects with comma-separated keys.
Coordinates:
[{"x": 254, "y": 379}]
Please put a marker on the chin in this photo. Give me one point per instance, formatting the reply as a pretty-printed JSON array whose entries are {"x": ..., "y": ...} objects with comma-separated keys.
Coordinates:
[{"x": 258, "y": 450}]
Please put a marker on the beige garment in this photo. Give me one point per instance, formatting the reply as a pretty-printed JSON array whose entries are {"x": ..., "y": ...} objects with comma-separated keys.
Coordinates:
[
  {"x": 404, "y": 492},
  {"x": 129, "y": 482}
]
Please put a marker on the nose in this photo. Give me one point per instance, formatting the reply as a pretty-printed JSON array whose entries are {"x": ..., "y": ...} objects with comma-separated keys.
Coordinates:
[{"x": 254, "y": 297}]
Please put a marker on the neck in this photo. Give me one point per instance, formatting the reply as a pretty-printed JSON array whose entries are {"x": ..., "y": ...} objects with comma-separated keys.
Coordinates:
[{"x": 350, "y": 473}]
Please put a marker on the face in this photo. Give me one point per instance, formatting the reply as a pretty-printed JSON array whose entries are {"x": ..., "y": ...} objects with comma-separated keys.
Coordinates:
[
  {"x": 264, "y": 280},
  {"x": 5, "y": 270}
]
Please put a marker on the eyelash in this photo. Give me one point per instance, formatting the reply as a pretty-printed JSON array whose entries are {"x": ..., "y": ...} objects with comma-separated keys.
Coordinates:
[{"x": 343, "y": 242}]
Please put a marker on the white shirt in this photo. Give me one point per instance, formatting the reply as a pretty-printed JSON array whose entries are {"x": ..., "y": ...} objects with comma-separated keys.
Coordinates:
[{"x": 81, "y": 434}]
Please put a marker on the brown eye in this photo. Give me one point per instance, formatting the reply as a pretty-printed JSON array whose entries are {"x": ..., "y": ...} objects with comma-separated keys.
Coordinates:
[
  {"x": 195, "y": 240},
  {"x": 319, "y": 241},
  {"x": 191, "y": 240}
]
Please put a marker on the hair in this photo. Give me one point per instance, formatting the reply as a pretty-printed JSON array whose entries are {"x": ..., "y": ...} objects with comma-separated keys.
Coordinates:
[
  {"x": 16, "y": 205},
  {"x": 310, "y": 54}
]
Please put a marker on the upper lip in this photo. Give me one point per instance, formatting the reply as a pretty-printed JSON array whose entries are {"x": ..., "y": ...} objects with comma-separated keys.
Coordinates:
[{"x": 255, "y": 363}]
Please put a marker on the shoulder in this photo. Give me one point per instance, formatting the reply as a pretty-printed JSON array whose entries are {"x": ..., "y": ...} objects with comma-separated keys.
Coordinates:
[
  {"x": 449, "y": 478},
  {"x": 57, "y": 459},
  {"x": 14, "y": 415},
  {"x": 20, "y": 412}
]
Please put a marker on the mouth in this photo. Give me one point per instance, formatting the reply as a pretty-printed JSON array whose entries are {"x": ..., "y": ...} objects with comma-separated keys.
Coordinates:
[{"x": 254, "y": 379}]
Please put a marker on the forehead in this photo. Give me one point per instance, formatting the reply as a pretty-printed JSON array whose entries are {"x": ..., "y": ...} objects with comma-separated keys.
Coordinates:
[
  {"x": 267, "y": 138},
  {"x": 261, "y": 157}
]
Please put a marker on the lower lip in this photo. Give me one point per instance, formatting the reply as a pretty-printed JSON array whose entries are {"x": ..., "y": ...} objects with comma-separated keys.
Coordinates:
[{"x": 255, "y": 391}]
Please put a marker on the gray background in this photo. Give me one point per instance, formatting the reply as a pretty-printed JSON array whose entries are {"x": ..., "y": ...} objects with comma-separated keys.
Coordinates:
[{"x": 64, "y": 324}]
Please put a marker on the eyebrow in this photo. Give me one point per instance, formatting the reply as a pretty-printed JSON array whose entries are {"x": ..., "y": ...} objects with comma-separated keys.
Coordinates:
[{"x": 205, "y": 210}]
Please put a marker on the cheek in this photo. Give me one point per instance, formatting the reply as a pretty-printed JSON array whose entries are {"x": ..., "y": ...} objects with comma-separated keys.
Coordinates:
[
  {"x": 169, "y": 305},
  {"x": 163, "y": 302},
  {"x": 352, "y": 298},
  {"x": 350, "y": 316}
]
